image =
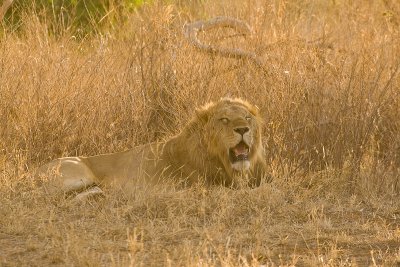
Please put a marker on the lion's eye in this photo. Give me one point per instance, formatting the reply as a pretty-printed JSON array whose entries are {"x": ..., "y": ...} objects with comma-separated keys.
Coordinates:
[
  {"x": 224, "y": 120},
  {"x": 248, "y": 118}
]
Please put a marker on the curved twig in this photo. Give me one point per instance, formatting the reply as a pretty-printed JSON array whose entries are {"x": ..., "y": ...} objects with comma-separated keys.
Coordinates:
[
  {"x": 3, "y": 9},
  {"x": 190, "y": 30}
]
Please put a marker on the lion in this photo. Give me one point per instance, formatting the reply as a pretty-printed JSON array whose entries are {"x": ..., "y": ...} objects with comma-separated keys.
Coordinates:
[{"x": 221, "y": 145}]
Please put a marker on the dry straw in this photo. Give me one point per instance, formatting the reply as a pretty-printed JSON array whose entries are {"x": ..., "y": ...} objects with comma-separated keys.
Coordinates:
[
  {"x": 4, "y": 7},
  {"x": 331, "y": 108}
]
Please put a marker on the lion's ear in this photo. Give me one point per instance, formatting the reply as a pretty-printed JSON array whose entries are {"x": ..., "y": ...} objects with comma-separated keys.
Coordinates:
[
  {"x": 203, "y": 115},
  {"x": 254, "y": 109}
]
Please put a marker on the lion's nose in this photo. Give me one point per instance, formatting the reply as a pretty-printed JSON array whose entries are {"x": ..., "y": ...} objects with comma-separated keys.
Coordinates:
[{"x": 242, "y": 130}]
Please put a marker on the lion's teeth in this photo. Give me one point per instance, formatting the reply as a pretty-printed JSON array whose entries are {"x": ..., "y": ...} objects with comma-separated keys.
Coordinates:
[{"x": 239, "y": 152}]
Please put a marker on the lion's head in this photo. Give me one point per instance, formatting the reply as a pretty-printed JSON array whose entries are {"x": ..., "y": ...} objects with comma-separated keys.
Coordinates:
[
  {"x": 223, "y": 141},
  {"x": 232, "y": 133}
]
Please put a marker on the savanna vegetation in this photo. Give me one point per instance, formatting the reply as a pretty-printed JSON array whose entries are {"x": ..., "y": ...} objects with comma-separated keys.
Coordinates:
[{"x": 88, "y": 77}]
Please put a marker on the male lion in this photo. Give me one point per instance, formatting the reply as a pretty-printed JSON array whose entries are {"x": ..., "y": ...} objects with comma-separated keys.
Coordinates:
[{"x": 220, "y": 145}]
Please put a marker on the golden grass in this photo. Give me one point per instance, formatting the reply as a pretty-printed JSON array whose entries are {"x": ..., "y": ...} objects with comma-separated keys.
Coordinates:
[{"x": 332, "y": 110}]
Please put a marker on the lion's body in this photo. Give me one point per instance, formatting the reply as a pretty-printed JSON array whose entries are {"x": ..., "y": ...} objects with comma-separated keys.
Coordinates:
[
  {"x": 76, "y": 173},
  {"x": 220, "y": 145}
]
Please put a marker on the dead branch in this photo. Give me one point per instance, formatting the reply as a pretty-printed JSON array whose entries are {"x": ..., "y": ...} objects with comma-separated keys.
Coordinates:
[
  {"x": 190, "y": 30},
  {"x": 3, "y": 9}
]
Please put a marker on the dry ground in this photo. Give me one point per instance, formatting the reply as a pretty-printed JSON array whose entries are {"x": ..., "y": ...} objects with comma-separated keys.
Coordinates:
[{"x": 329, "y": 96}]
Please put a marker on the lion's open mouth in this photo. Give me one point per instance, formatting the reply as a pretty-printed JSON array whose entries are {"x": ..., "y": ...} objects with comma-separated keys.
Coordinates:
[{"x": 240, "y": 152}]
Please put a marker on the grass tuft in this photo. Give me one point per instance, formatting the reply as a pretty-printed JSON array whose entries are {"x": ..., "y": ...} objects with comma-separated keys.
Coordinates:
[{"x": 332, "y": 135}]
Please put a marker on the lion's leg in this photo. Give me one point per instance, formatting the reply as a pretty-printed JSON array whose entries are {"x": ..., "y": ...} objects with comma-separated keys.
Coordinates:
[
  {"x": 67, "y": 175},
  {"x": 91, "y": 192}
]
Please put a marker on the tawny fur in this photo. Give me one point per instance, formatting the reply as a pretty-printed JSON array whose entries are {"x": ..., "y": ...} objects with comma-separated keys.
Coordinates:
[{"x": 198, "y": 154}]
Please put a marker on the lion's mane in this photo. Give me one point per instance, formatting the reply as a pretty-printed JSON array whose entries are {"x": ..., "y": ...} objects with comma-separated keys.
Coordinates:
[{"x": 197, "y": 150}]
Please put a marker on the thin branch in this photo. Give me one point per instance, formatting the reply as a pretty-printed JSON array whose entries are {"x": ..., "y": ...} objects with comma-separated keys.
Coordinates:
[{"x": 190, "y": 30}]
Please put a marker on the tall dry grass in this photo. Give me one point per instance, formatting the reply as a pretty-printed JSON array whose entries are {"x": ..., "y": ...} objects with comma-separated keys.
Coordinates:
[{"x": 331, "y": 108}]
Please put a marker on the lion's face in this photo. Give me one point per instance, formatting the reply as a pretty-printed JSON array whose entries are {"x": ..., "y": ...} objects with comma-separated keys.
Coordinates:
[{"x": 233, "y": 134}]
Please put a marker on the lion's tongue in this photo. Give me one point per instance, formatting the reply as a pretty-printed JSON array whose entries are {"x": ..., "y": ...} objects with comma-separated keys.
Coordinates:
[{"x": 240, "y": 149}]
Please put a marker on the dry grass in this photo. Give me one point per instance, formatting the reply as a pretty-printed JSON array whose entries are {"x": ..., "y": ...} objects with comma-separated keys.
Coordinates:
[{"x": 332, "y": 110}]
